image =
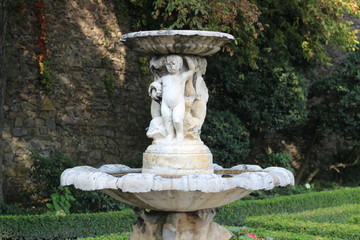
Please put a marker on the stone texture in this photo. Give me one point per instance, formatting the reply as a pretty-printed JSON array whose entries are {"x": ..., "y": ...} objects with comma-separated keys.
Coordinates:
[
  {"x": 201, "y": 43},
  {"x": 177, "y": 158},
  {"x": 196, "y": 225},
  {"x": 79, "y": 114},
  {"x": 187, "y": 193}
]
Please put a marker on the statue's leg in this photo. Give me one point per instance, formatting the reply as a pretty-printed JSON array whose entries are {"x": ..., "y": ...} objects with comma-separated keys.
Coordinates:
[
  {"x": 166, "y": 114},
  {"x": 178, "y": 120}
]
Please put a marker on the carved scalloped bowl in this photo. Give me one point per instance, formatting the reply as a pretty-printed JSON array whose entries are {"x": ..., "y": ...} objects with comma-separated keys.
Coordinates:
[
  {"x": 201, "y": 43},
  {"x": 182, "y": 194}
]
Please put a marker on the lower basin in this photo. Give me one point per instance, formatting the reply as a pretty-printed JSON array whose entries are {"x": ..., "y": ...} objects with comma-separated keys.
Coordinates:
[
  {"x": 179, "y": 194},
  {"x": 178, "y": 201}
]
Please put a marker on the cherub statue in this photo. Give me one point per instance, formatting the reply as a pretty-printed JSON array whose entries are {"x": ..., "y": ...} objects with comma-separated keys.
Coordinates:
[{"x": 172, "y": 106}]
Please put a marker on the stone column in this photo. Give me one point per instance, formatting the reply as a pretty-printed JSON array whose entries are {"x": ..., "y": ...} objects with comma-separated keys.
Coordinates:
[{"x": 196, "y": 225}]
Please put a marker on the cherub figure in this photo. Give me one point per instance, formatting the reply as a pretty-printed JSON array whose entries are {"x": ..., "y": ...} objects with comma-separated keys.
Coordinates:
[{"x": 172, "y": 105}]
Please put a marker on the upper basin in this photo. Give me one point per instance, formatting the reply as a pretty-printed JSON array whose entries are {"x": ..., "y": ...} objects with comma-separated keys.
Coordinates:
[{"x": 161, "y": 42}]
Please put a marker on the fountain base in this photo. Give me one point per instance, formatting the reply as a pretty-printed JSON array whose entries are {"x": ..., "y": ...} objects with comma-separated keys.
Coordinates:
[{"x": 198, "y": 225}]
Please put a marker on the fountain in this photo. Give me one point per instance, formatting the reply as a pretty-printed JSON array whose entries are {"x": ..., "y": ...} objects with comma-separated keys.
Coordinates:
[{"x": 178, "y": 185}]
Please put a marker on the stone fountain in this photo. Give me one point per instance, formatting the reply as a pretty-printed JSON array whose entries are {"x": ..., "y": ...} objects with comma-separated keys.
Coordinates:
[{"x": 178, "y": 189}]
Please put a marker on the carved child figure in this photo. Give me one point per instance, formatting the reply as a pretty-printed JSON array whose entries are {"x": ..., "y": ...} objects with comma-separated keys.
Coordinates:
[{"x": 173, "y": 99}]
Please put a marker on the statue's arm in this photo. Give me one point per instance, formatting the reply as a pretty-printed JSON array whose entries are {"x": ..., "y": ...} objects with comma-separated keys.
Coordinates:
[{"x": 191, "y": 64}]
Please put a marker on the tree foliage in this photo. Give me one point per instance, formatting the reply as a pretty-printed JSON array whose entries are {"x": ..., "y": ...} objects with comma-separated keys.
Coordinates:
[
  {"x": 263, "y": 81},
  {"x": 299, "y": 29},
  {"x": 228, "y": 140},
  {"x": 337, "y": 99}
]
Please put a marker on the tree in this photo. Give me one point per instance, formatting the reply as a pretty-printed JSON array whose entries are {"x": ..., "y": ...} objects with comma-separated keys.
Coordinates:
[
  {"x": 334, "y": 109},
  {"x": 262, "y": 81}
]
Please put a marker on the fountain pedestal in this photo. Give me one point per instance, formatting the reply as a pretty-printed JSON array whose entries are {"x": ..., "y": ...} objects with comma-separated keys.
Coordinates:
[
  {"x": 177, "y": 159},
  {"x": 179, "y": 182},
  {"x": 198, "y": 225}
]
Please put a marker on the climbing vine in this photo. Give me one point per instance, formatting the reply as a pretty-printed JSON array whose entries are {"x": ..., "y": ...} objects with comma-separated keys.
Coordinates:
[{"x": 43, "y": 50}]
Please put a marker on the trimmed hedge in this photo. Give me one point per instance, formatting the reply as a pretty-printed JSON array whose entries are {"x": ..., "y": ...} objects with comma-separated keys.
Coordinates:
[
  {"x": 108, "y": 237},
  {"x": 98, "y": 224},
  {"x": 278, "y": 223},
  {"x": 299, "y": 222},
  {"x": 282, "y": 235},
  {"x": 63, "y": 227},
  {"x": 239, "y": 234},
  {"x": 339, "y": 214},
  {"x": 235, "y": 213}
]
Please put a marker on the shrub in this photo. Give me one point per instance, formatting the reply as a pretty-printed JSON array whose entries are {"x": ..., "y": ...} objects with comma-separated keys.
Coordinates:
[
  {"x": 86, "y": 225},
  {"x": 282, "y": 159},
  {"x": 235, "y": 213},
  {"x": 263, "y": 233},
  {"x": 62, "y": 227},
  {"x": 339, "y": 214},
  {"x": 226, "y": 137},
  {"x": 46, "y": 171},
  {"x": 293, "y": 223},
  {"x": 108, "y": 237}
]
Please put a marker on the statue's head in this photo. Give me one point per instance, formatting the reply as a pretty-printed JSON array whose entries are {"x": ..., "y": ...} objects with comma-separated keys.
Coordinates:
[{"x": 174, "y": 63}]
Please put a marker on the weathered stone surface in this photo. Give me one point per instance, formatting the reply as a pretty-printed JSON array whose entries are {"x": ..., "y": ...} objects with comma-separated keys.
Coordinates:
[
  {"x": 202, "y": 43},
  {"x": 178, "y": 158},
  {"x": 187, "y": 193},
  {"x": 79, "y": 112},
  {"x": 19, "y": 132},
  {"x": 196, "y": 225},
  {"x": 47, "y": 104}
]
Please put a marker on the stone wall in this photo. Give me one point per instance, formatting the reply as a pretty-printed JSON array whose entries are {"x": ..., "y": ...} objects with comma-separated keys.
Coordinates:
[{"x": 83, "y": 118}]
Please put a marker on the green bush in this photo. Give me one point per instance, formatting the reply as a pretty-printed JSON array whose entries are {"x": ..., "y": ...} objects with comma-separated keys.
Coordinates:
[
  {"x": 282, "y": 159},
  {"x": 108, "y": 237},
  {"x": 62, "y": 227},
  {"x": 46, "y": 171},
  {"x": 45, "y": 174},
  {"x": 98, "y": 224},
  {"x": 311, "y": 222},
  {"x": 239, "y": 233},
  {"x": 263, "y": 233},
  {"x": 226, "y": 137},
  {"x": 339, "y": 214},
  {"x": 235, "y": 213}
]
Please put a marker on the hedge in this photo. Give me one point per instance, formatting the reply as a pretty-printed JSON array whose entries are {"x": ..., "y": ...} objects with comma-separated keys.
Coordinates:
[
  {"x": 62, "y": 227},
  {"x": 238, "y": 232},
  {"x": 297, "y": 222},
  {"x": 282, "y": 235},
  {"x": 234, "y": 214},
  {"x": 108, "y": 237},
  {"x": 338, "y": 214},
  {"x": 276, "y": 222},
  {"x": 87, "y": 225}
]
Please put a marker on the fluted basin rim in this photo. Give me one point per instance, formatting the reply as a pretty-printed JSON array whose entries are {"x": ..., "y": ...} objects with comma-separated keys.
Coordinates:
[
  {"x": 154, "y": 33},
  {"x": 89, "y": 178},
  {"x": 183, "y": 42}
]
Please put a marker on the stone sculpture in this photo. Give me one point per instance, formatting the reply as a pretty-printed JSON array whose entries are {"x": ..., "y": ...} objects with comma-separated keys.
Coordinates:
[
  {"x": 178, "y": 182},
  {"x": 179, "y": 96}
]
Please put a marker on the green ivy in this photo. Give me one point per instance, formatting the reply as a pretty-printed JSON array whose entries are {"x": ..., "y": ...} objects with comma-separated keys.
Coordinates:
[{"x": 109, "y": 81}]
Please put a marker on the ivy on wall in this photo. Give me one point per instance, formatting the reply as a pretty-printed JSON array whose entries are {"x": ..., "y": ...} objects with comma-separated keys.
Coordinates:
[{"x": 43, "y": 50}]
